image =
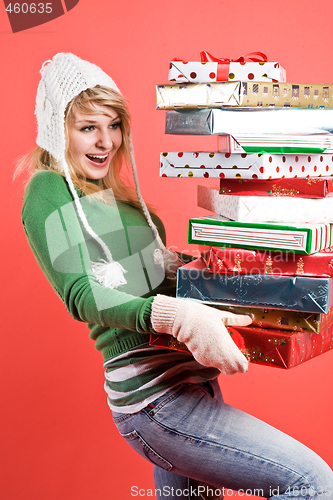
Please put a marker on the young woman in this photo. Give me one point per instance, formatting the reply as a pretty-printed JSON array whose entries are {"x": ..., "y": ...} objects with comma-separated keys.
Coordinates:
[{"x": 104, "y": 254}]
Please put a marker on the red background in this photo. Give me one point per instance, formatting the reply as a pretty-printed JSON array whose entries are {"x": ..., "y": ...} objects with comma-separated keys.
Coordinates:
[{"x": 57, "y": 436}]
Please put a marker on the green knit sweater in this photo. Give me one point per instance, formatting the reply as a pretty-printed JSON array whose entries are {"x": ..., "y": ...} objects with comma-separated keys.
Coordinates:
[{"x": 119, "y": 319}]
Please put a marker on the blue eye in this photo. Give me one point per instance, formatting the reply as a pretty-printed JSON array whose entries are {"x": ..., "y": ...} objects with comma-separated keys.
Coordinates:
[
  {"x": 89, "y": 128},
  {"x": 115, "y": 126}
]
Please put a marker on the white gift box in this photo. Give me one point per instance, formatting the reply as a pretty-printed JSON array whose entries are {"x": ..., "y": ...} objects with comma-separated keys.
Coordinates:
[
  {"x": 249, "y": 121},
  {"x": 244, "y": 166},
  {"x": 266, "y": 209},
  {"x": 202, "y": 72}
]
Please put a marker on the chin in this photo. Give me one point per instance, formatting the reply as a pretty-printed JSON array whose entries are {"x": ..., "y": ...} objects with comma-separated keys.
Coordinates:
[
  {"x": 96, "y": 176},
  {"x": 99, "y": 174}
]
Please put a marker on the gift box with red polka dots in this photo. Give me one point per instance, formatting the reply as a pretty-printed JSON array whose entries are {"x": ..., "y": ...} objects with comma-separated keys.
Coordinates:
[
  {"x": 244, "y": 166},
  {"x": 201, "y": 72}
]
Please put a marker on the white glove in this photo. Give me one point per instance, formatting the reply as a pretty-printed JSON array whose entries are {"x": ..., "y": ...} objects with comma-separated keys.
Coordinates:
[{"x": 203, "y": 330}]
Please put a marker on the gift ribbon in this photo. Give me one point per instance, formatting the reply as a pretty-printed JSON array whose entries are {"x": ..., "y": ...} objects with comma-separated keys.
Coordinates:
[
  {"x": 250, "y": 57},
  {"x": 223, "y": 63}
]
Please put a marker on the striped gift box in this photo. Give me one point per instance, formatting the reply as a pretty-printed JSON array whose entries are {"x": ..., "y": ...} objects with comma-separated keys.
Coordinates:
[{"x": 300, "y": 238}]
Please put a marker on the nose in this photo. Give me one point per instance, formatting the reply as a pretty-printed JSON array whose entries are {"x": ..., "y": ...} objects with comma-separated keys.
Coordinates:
[{"x": 104, "y": 139}]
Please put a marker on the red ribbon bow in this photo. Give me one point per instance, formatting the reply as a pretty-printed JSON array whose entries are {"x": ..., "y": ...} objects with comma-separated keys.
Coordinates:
[
  {"x": 250, "y": 57},
  {"x": 223, "y": 64}
]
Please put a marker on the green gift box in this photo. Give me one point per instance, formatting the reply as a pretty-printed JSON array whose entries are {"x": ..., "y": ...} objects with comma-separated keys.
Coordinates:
[{"x": 300, "y": 238}]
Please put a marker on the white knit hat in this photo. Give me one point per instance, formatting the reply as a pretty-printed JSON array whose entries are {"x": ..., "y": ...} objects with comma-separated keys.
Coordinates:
[{"x": 63, "y": 78}]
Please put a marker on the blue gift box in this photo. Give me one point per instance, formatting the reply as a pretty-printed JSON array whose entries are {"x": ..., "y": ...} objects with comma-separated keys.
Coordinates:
[{"x": 294, "y": 293}]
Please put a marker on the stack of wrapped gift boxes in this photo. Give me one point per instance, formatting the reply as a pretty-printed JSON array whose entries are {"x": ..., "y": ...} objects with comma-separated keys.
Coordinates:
[{"x": 268, "y": 240}]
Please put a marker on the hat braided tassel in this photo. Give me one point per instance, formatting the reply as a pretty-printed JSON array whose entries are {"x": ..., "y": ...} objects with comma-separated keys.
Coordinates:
[
  {"x": 108, "y": 273},
  {"x": 162, "y": 256}
]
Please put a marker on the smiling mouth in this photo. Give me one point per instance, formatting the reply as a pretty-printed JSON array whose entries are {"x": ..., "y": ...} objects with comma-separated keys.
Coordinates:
[{"x": 98, "y": 159}]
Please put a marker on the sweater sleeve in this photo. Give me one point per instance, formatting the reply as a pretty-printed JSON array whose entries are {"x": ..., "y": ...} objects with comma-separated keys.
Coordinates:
[{"x": 60, "y": 247}]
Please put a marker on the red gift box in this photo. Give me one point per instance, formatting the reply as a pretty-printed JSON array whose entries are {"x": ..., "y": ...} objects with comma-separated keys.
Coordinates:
[
  {"x": 240, "y": 260},
  {"x": 268, "y": 347},
  {"x": 317, "y": 187},
  {"x": 282, "y": 319},
  {"x": 280, "y": 348}
]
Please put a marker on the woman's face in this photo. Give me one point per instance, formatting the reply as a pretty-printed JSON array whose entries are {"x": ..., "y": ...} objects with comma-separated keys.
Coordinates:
[{"x": 94, "y": 140}]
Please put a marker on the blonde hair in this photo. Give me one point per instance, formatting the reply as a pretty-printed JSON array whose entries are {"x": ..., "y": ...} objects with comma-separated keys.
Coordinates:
[{"x": 85, "y": 102}]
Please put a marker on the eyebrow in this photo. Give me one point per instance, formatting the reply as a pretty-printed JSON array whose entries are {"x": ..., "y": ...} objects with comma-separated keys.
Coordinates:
[{"x": 87, "y": 120}]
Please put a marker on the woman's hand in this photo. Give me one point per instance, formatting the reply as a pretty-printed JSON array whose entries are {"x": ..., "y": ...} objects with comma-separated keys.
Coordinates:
[{"x": 203, "y": 330}]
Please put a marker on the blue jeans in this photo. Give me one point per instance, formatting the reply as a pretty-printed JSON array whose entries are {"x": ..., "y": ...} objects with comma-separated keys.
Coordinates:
[{"x": 189, "y": 432}]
